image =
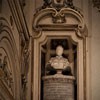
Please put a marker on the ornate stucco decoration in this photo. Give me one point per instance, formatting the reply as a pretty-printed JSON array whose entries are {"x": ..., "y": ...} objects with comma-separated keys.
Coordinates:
[
  {"x": 25, "y": 59},
  {"x": 61, "y": 14},
  {"x": 16, "y": 7},
  {"x": 58, "y": 4},
  {"x": 58, "y": 15},
  {"x": 25, "y": 63},
  {"x": 6, "y": 73}
]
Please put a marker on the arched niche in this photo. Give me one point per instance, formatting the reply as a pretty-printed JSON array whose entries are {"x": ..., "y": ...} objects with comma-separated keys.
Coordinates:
[
  {"x": 9, "y": 63},
  {"x": 38, "y": 43},
  {"x": 66, "y": 18},
  {"x": 65, "y": 24}
]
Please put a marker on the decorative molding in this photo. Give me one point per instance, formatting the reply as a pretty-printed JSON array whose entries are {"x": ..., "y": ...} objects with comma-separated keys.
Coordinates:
[
  {"x": 19, "y": 18},
  {"x": 39, "y": 41},
  {"x": 24, "y": 88},
  {"x": 58, "y": 4},
  {"x": 59, "y": 20},
  {"x": 58, "y": 12},
  {"x": 53, "y": 20},
  {"x": 6, "y": 76},
  {"x": 11, "y": 21},
  {"x": 9, "y": 51},
  {"x": 25, "y": 59}
]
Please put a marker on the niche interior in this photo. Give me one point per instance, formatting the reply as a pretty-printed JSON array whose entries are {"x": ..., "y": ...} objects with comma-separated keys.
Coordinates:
[
  {"x": 70, "y": 52},
  {"x": 44, "y": 49}
]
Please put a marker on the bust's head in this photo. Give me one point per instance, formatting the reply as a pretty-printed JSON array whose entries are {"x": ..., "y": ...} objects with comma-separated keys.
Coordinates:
[{"x": 59, "y": 50}]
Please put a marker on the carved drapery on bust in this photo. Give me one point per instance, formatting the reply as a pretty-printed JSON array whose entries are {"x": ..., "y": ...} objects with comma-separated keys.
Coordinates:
[
  {"x": 59, "y": 64},
  {"x": 24, "y": 68}
]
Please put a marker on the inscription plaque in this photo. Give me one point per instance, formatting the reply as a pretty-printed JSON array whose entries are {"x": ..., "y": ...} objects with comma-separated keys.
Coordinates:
[{"x": 58, "y": 87}]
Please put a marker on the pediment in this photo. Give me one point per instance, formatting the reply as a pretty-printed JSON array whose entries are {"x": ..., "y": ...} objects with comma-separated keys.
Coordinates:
[{"x": 58, "y": 14}]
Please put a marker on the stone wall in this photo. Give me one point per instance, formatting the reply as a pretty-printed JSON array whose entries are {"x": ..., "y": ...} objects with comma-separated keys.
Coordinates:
[{"x": 95, "y": 54}]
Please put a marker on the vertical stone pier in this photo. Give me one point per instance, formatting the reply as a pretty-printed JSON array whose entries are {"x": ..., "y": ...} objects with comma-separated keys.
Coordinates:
[{"x": 58, "y": 87}]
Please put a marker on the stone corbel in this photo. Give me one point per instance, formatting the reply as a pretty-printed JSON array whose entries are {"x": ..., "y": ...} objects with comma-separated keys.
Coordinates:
[
  {"x": 81, "y": 31},
  {"x": 58, "y": 17}
]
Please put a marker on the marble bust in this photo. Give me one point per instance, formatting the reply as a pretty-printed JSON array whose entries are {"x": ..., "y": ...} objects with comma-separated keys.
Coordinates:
[{"x": 58, "y": 64}]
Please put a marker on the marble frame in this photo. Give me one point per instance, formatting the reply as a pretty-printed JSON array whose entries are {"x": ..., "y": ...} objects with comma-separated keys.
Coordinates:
[
  {"x": 81, "y": 73},
  {"x": 73, "y": 26}
]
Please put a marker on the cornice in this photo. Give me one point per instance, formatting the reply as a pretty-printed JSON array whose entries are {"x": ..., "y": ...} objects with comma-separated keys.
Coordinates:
[{"x": 58, "y": 13}]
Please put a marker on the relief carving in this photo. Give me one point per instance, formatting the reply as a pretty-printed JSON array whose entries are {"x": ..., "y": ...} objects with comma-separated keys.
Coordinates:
[
  {"x": 6, "y": 76},
  {"x": 58, "y": 4},
  {"x": 25, "y": 58},
  {"x": 25, "y": 67},
  {"x": 57, "y": 11}
]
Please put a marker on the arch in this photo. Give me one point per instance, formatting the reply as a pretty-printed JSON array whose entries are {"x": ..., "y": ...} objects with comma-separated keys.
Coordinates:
[
  {"x": 50, "y": 16},
  {"x": 8, "y": 45}
]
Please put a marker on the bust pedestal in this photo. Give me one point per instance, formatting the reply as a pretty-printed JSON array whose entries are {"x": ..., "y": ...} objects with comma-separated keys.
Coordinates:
[{"x": 58, "y": 87}]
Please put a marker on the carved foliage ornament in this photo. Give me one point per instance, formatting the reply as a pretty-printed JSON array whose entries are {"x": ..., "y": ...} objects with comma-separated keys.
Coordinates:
[
  {"x": 57, "y": 9},
  {"x": 96, "y": 3},
  {"x": 25, "y": 68},
  {"x": 58, "y": 4},
  {"x": 5, "y": 72}
]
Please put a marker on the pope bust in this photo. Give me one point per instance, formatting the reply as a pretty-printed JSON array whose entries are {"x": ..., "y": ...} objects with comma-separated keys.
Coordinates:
[{"x": 58, "y": 64}]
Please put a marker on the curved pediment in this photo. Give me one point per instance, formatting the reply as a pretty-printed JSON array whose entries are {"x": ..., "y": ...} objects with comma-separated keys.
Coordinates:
[{"x": 51, "y": 16}]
